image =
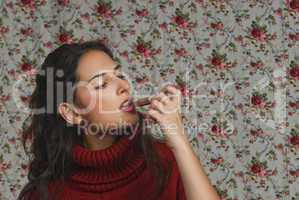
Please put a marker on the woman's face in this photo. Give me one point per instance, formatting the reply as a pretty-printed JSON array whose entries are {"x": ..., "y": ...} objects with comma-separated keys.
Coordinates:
[{"x": 101, "y": 91}]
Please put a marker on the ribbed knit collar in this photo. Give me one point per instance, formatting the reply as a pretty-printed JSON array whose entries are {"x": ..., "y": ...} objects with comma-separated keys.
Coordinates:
[{"x": 105, "y": 169}]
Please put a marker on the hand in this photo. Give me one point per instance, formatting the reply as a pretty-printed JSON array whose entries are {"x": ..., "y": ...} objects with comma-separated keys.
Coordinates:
[{"x": 166, "y": 110}]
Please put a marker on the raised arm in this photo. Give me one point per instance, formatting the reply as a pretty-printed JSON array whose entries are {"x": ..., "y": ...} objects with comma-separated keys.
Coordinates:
[{"x": 166, "y": 111}]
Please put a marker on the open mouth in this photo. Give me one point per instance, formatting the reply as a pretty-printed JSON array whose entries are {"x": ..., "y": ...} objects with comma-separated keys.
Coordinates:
[{"x": 128, "y": 105}]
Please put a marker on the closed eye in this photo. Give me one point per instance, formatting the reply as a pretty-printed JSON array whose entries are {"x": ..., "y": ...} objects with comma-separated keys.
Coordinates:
[
  {"x": 121, "y": 76},
  {"x": 101, "y": 86},
  {"x": 105, "y": 83}
]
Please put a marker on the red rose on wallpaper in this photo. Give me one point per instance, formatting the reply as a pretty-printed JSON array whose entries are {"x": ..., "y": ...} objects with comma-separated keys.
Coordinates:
[
  {"x": 24, "y": 166},
  {"x": 294, "y": 140},
  {"x": 4, "y": 98},
  {"x": 217, "y": 26},
  {"x": 104, "y": 10},
  {"x": 26, "y": 67},
  {"x": 217, "y": 62},
  {"x": 294, "y": 72},
  {"x": 64, "y": 38},
  {"x": 26, "y": 1},
  {"x": 294, "y": 4},
  {"x": 215, "y": 129},
  {"x": 278, "y": 12},
  {"x": 294, "y": 37},
  {"x": 29, "y": 3},
  {"x": 27, "y": 31},
  {"x": 256, "y": 65},
  {"x": 180, "y": 52},
  {"x": 181, "y": 85},
  {"x": 184, "y": 90},
  {"x": 256, "y": 133},
  {"x": 258, "y": 34},
  {"x": 63, "y": 2},
  {"x": 4, "y": 166},
  {"x": 217, "y": 161},
  {"x": 294, "y": 173},
  {"x": 4, "y": 30},
  {"x": 25, "y": 99},
  {"x": 258, "y": 169},
  {"x": 141, "y": 48},
  {"x": 163, "y": 26},
  {"x": 294, "y": 105},
  {"x": 48, "y": 45},
  {"x": 142, "y": 13},
  {"x": 258, "y": 101},
  {"x": 180, "y": 21}
]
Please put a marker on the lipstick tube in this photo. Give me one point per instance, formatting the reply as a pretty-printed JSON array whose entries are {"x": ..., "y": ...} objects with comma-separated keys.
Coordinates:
[{"x": 142, "y": 102}]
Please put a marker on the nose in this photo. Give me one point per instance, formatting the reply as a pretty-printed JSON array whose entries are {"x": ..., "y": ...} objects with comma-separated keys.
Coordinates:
[{"x": 123, "y": 87}]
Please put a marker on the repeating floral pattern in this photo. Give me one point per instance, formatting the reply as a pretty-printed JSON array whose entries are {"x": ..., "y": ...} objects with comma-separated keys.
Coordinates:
[{"x": 236, "y": 62}]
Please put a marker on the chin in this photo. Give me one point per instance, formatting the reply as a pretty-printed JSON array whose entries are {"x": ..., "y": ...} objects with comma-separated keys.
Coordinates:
[{"x": 130, "y": 118}]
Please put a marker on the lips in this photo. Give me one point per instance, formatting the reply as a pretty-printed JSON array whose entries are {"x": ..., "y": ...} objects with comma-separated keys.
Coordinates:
[{"x": 126, "y": 103}]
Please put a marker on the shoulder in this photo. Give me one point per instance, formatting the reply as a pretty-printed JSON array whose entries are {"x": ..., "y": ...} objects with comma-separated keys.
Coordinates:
[{"x": 54, "y": 187}]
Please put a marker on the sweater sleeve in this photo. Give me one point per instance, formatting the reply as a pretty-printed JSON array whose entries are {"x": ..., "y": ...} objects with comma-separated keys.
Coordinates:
[
  {"x": 168, "y": 155},
  {"x": 32, "y": 195}
]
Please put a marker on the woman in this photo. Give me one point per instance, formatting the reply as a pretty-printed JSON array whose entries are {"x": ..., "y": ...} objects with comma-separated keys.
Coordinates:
[{"x": 92, "y": 144}]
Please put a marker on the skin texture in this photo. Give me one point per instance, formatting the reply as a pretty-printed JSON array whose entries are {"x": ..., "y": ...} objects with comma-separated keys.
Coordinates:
[
  {"x": 166, "y": 110},
  {"x": 98, "y": 104}
]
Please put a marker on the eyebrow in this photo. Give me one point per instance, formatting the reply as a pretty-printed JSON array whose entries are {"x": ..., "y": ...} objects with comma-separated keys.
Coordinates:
[{"x": 103, "y": 73}]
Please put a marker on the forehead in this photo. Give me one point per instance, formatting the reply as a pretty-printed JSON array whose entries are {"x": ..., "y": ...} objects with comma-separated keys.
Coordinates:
[{"x": 94, "y": 62}]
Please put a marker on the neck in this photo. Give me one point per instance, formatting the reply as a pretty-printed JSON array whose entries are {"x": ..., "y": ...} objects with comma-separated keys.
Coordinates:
[
  {"x": 93, "y": 143},
  {"x": 103, "y": 141}
]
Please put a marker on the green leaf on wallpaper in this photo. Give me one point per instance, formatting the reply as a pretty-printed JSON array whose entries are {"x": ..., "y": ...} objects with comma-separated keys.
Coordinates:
[
  {"x": 294, "y": 132},
  {"x": 41, "y": 51},
  {"x": 257, "y": 154},
  {"x": 209, "y": 148},
  {"x": 232, "y": 46},
  {"x": 155, "y": 33},
  {"x": 179, "y": 80},
  {"x": 271, "y": 154},
  {"x": 264, "y": 163},
  {"x": 271, "y": 19},
  {"x": 232, "y": 182},
  {"x": 257, "y": 19},
  {"x": 118, "y": 60}
]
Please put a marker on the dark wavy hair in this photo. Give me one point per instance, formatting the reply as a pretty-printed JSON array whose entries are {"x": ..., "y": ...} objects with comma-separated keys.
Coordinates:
[{"x": 50, "y": 136}]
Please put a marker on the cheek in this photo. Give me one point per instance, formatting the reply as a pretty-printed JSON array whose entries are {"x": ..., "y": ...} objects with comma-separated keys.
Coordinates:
[
  {"x": 97, "y": 106},
  {"x": 87, "y": 98}
]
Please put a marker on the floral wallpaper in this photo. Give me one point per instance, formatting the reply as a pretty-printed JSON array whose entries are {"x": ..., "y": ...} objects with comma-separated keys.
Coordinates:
[{"x": 236, "y": 62}]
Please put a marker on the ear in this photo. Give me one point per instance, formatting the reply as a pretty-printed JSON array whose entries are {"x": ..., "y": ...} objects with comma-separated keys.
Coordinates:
[{"x": 69, "y": 114}]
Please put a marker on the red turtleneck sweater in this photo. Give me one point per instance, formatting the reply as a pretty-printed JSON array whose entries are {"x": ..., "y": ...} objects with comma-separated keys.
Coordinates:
[{"x": 118, "y": 172}]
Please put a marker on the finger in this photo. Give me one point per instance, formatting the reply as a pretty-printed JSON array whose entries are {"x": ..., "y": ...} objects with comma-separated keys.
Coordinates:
[
  {"x": 164, "y": 98},
  {"x": 154, "y": 98},
  {"x": 158, "y": 106},
  {"x": 154, "y": 114},
  {"x": 172, "y": 90},
  {"x": 172, "y": 93}
]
